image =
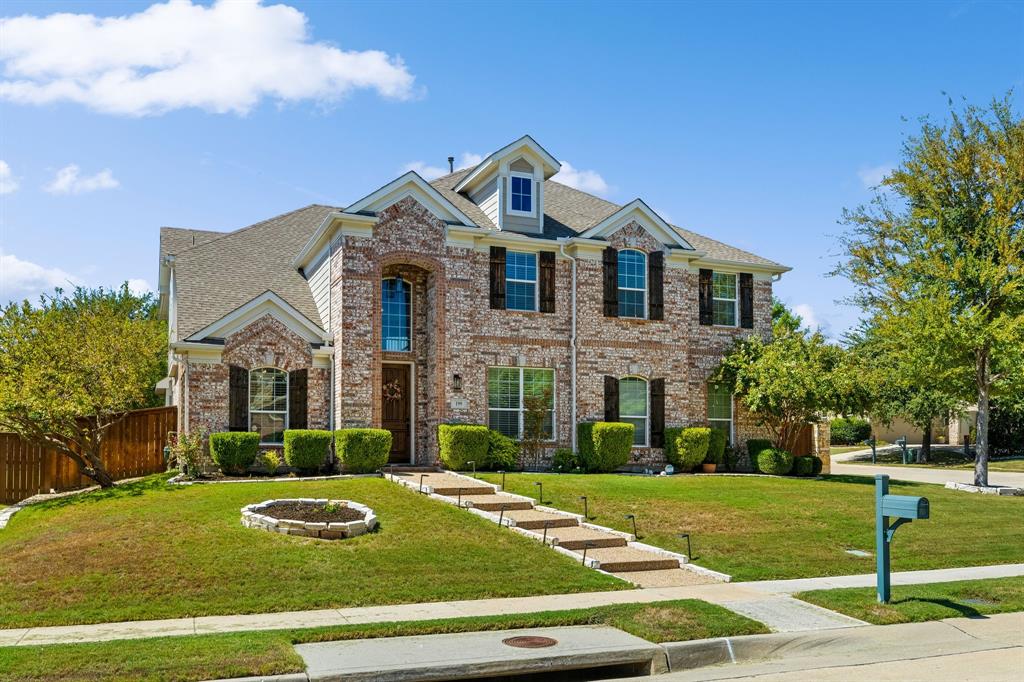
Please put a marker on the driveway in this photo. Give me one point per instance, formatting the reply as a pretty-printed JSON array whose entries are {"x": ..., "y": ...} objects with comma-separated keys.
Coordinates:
[{"x": 841, "y": 464}]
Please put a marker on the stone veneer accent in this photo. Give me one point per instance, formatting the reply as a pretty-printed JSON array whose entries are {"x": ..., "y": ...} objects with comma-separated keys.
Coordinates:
[{"x": 253, "y": 516}]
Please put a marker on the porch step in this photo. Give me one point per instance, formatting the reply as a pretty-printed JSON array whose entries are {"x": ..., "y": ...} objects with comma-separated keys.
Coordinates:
[
  {"x": 494, "y": 503},
  {"x": 627, "y": 559},
  {"x": 577, "y": 537},
  {"x": 533, "y": 519}
]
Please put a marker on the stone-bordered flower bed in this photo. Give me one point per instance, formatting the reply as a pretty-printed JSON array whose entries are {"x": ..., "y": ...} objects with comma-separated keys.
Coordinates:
[{"x": 311, "y": 518}]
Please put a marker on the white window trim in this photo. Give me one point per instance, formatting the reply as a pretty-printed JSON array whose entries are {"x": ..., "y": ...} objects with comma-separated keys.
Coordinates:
[
  {"x": 735, "y": 300},
  {"x": 411, "y": 318},
  {"x": 522, "y": 409},
  {"x": 643, "y": 289},
  {"x": 534, "y": 282},
  {"x": 732, "y": 415},
  {"x": 287, "y": 405},
  {"x": 533, "y": 195},
  {"x": 647, "y": 406}
]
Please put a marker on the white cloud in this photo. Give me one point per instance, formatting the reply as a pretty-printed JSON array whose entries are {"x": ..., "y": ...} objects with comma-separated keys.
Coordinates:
[
  {"x": 139, "y": 287},
  {"x": 872, "y": 176},
  {"x": 69, "y": 181},
  {"x": 20, "y": 279},
  {"x": 466, "y": 160},
  {"x": 8, "y": 183},
  {"x": 583, "y": 180},
  {"x": 806, "y": 312},
  {"x": 223, "y": 58}
]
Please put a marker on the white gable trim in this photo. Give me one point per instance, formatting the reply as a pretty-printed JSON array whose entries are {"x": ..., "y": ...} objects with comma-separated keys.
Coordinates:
[
  {"x": 411, "y": 184},
  {"x": 550, "y": 164},
  {"x": 645, "y": 216},
  {"x": 267, "y": 303}
]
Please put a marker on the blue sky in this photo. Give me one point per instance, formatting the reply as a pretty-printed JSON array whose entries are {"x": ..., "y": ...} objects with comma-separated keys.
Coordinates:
[{"x": 754, "y": 123}]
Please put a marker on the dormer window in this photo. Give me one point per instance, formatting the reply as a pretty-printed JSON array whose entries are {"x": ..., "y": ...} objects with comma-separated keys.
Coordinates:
[{"x": 520, "y": 194}]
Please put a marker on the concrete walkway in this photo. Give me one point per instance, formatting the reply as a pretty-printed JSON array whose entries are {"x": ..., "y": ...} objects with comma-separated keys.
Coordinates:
[
  {"x": 767, "y": 601},
  {"x": 844, "y": 465}
]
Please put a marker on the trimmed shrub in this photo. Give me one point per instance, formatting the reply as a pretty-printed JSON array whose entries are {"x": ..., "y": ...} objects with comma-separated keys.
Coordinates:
[
  {"x": 306, "y": 449},
  {"x": 362, "y": 451},
  {"x": 755, "y": 446},
  {"x": 672, "y": 454},
  {"x": 612, "y": 444},
  {"x": 804, "y": 466},
  {"x": 564, "y": 459},
  {"x": 849, "y": 431},
  {"x": 462, "y": 443},
  {"x": 585, "y": 443},
  {"x": 816, "y": 465},
  {"x": 234, "y": 451},
  {"x": 502, "y": 452},
  {"x": 773, "y": 461},
  {"x": 689, "y": 446},
  {"x": 716, "y": 448},
  {"x": 732, "y": 459},
  {"x": 269, "y": 460}
]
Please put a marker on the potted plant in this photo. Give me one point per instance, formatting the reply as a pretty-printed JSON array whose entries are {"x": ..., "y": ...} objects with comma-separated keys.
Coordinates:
[{"x": 716, "y": 452}]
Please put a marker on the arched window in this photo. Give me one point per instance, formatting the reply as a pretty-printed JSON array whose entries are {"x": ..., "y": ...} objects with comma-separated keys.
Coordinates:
[
  {"x": 632, "y": 284},
  {"x": 396, "y": 316},
  {"x": 268, "y": 403},
  {"x": 634, "y": 407}
]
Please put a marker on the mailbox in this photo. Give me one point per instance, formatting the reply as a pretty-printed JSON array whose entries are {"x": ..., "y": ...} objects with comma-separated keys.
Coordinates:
[{"x": 905, "y": 506}]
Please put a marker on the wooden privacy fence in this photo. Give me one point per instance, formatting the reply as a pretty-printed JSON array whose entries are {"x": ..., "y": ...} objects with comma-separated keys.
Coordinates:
[{"x": 132, "y": 447}]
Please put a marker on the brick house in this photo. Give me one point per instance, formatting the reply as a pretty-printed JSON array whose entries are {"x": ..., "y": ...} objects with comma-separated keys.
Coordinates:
[{"x": 451, "y": 301}]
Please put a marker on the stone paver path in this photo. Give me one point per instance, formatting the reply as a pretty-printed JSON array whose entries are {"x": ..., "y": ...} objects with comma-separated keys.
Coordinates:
[
  {"x": 601, "y": 548},
  {"x": 723, "y": 594}
]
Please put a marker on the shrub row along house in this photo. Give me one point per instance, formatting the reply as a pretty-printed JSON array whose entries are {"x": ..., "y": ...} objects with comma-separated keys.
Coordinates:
[{"x": 454, "y": 301}]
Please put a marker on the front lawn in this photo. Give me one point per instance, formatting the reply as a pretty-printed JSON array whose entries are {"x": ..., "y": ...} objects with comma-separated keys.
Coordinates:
[
  {"x": 205, "y": 657},
  {"x": 756, "y": 527},
  {"x": 147, "y": 550},
  {"x": 916, "y": 603}
]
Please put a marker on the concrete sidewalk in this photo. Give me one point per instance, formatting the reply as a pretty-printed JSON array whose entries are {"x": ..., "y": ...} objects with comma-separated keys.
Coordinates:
[
  {"x": 767, "y": 601},
  {"x": 844, "y": 465}
]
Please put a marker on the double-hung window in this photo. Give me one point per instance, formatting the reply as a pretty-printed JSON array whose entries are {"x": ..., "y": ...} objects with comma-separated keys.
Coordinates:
[
  {"x": 632, "y": 284},
  {"x": 720, "y": 409},
  {"x": 268, "y": 403},
  {"x": 520, "y": 194},
  {"x": 633, "y": 408},
  {"x": 396, "y": 316},
  {"x": 723, "y": 295},
  {"x": 520, "y": 281},
  {"x": 510, "y": 391}
]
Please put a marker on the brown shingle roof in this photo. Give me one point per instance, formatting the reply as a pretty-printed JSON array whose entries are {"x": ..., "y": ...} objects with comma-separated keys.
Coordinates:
[{"x": 221, "y": 274}]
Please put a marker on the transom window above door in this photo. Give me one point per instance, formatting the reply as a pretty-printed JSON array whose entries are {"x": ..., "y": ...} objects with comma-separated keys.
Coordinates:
[
  {"x": 521, "y": 194},
  {"x": 520, "y": 281},
  {"x": 396, "y": 314}
]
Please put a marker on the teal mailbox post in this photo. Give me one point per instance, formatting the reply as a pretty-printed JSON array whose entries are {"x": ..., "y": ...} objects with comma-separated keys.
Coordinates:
[{"x": 902, "y": 508}]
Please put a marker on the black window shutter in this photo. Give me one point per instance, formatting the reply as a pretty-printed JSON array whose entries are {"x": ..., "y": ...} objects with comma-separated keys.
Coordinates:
[
  {"x": 297, "y": 403},
  {"x": 547, "y": 281},
  {"x": 611, "y": 282},
  {"x": 656, "y": 286},
  {"x": 611, "y": 399},
  {"x": 238, "y": 398},
  {"x": 657, "y": 413},
  {"x": 746, "y": 300},
  {"x": 704, "y": 297},
  {"x": 498, "y": 277}
]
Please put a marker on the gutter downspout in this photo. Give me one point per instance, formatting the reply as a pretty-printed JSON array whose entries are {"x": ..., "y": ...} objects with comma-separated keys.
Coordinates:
[{"x": 572, "y": 344}]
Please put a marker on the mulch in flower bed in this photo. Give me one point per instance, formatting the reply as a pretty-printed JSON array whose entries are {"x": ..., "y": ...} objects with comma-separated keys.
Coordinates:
[{"x": 316, "y": 513}]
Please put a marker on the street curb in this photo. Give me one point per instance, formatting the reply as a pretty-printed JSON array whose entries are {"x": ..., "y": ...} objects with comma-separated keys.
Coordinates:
[
  {"x": 286, "y": 677},
  {"x": 701, "y": 653}
]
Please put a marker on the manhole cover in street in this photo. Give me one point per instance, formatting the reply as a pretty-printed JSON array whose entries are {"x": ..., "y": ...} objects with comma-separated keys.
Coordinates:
[{"x": 529, "y": 642}]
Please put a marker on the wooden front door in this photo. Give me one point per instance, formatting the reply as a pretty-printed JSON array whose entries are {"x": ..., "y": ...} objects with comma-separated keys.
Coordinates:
[{"x": 396, "y": 401}]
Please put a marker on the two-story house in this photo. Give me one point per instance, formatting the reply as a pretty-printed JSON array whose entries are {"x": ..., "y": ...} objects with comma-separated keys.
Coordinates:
[{"x": 456, "y": 301}]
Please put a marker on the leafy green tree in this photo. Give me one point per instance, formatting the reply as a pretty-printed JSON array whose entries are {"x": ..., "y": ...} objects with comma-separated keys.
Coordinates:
[
  {"x": 784, "y": 319},
  {"x": 793, "y": 380},
  {"x": 71, "y": 367},
  {"x": 942, "y": 245}
]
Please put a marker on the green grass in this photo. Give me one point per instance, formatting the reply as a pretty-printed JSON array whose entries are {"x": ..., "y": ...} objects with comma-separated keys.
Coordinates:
[
  {"x": 841, "y": 449},
  {"x": 941, "y": 459},
  {"x": 780, "y": 527},
  {"x": 266, "y": 653},
  {"x": 916, "y": 603},
  {"x": 148, "y": 550}
]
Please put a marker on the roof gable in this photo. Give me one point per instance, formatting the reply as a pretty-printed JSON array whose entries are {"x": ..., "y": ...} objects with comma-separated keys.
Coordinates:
[
  {"x": 642, "y": 214},
  {"x": 524, "y": 147},
  {"x": 267, "y": 303}
]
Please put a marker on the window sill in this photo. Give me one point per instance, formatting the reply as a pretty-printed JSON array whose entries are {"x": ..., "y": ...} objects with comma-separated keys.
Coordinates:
[{"x": 522, "y": 214}]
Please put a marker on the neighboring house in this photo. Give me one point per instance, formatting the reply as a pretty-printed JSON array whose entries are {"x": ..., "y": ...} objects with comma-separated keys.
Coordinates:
[{"x": 451, "y": 301}]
